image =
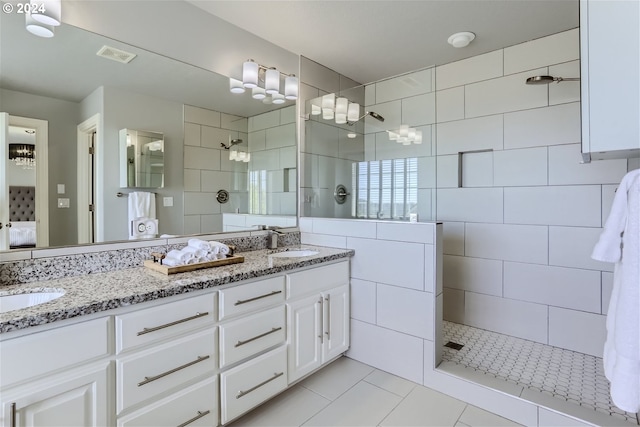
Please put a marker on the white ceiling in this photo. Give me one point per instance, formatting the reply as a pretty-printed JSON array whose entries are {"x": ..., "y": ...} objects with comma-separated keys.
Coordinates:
[{"x": 372, "y": 40}]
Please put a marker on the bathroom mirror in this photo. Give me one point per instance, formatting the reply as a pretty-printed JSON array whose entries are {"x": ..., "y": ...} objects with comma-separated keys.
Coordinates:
[
  {"x": 65, "y": 82},
  {"x": 141, "y": 159}
]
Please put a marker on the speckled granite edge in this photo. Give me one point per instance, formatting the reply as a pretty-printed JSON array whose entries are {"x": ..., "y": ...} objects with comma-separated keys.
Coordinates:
[
  {"x": 40, "y": 269},
  {"x": 101, "y": 292}
]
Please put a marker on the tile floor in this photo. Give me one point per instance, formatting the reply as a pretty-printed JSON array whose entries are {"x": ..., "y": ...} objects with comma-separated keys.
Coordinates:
[
  {"x": 563, "y": 374},
  {"x": 350, "y": 393}
]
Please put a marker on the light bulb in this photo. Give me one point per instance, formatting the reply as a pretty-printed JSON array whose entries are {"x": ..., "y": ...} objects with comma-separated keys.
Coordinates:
[
  {"x": 328, "y": 101},
  {"x": 272, "y": 81},
  {"x": 342, "y": 105},
  {"x": 327, "y": 113},
  {"x": 233, "y": 155},
  {"x": 404, "y": 130},
  {"x": 277, "y": 98},
  {"x": 37, "y": 28},
  {"x": 351, "y": 135},
  {"x": 291, "y": 88},
  {"x": 258, "y": 93},
  {"x": 341, "y": 119},
  {"x": 250, "y": 74},
  {"x": 353, "y": 112},
  {"x": 235, "y": 86},
  {"x": 315, "y": 110}
]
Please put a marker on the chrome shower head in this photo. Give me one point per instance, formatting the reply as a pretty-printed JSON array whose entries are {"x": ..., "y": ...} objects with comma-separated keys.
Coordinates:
[
  {"x": 545, "y": 80},
  {"x": 368, "y": 113}
]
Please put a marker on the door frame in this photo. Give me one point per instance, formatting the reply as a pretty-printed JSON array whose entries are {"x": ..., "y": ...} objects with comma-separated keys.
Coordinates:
[{"x": 85, "y": 129}]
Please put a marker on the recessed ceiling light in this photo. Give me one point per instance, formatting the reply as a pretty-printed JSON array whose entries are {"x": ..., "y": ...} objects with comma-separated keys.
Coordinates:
[{"x": 461, "y": 39}]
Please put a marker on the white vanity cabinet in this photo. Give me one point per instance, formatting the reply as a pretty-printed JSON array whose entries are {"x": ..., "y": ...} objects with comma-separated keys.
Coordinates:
[
  {"x": 57, "y": 377},
  {"x": 609, "y": 68},
  {"x": 317, "y": 316}
]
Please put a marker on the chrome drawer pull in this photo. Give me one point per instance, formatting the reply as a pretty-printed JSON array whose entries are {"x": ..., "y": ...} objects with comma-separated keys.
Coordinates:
[
  {"x": 255, "y": 387},
  {"x": 13, "y": 415},
  {"x": 321, "y": 323},
  {"x": 197, "y": 417},
  {"x": 328, "y": 300},
  {"x": 147, "y": 380},
  {"x": 240, "y": 302},
  {"x": 177, "y": 322},
  {"x": 239, "y": 343}
]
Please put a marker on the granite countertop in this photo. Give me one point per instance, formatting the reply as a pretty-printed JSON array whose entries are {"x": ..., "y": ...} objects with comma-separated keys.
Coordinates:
[{"x": 95, "y": 293}]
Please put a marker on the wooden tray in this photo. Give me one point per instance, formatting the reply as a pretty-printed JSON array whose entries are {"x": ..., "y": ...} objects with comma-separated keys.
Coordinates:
[{"x": 156, "y": 266}]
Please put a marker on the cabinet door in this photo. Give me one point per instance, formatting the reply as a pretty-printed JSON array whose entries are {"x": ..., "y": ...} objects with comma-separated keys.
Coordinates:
[
  {"x": 66, "y": 401},
  {"x": 305, "y": 336},
  {"x": 336, "y": 322}
]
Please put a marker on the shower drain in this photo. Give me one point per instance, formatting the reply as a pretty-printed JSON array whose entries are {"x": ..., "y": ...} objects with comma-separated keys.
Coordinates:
[{"x": 454, "y": 345}]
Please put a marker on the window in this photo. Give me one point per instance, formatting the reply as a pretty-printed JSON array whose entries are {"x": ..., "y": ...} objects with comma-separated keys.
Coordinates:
[{"x": 258, "y": 192}]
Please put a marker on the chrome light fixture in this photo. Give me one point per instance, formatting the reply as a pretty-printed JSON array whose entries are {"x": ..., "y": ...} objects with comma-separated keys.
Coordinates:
[
  {"x": 335, "y": 108},
  {"x": 264, "y": 81},
  {"x": 405, "y": 135},
  {"x": 23, "y": 155}
]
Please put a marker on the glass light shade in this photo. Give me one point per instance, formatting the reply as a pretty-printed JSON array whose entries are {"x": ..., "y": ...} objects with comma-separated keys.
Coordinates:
[
  {"x": 404, "y": 130},
  {"x": 37, "y": 28},
  {"x": 353, "y": 112},
  {"x": 341, "y": 119},
  {"x": 233, "y": 154},
  {"x": 258, "y": 93},
  {"x": 342, "y": 105},
  {"x": 327, "y": 113},
  {"x": 315, "y": 110},
  {"x": 351, "y": 135},
  {"x": 272, "y": 81},
  {"x": 411, "y": 134},
  {"x": 267, "y": 100},
  {"x": 291, "y": 88},
  {"x": 48, "y": 12},
  {"x": 250, "y": 74},
  {"x": 241, "y": 156},
  {"x": 418, "y": 138},
  {"x": 277, "y": 98},
  {"x": 401, "y": 139},
  {"x": 407, "y": 142},
  {"x": 328, "y": 101},
  {"x": 235, "y": 86},
  {"x": 247, "y": 158},
  {"x": 393, "y": 136}
]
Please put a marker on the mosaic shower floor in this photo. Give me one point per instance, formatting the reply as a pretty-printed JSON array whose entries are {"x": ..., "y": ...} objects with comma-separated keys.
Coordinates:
[{"x": 564, "y": 374}]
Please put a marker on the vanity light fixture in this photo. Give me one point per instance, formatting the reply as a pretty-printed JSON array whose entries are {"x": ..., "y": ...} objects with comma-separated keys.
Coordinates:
[
  {"x": 405, "y": 135},
  {"x": 264, "y": 83},
  {"x": 42, "y": 16},
  {"x": 335, "y": 108},
  {"x": 38, "y": 28},
  {"x": 239, "y": 156}
]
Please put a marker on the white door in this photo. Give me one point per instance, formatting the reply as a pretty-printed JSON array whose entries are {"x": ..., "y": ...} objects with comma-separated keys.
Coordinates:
[
  {"x": 305, "y": 336},
  {"x": 336, "y": 326},
  {"x": 4, "y": 186}
]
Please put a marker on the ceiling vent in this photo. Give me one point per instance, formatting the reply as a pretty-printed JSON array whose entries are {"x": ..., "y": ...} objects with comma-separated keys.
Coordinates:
[{"x": 115, "y": 54}]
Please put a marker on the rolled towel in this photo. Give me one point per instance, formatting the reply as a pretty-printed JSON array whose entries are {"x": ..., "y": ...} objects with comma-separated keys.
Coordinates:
[
  {"x": 199, "y": 244},
  {"x": 222, "y": 248},
  {"x": 179, "y": 255},
  {"x": 172, "y": 262},
  {"x": 197, "y": 253}
]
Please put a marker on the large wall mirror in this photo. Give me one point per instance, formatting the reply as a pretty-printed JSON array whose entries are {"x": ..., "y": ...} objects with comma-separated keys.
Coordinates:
[{"x": 70, "y": 93}]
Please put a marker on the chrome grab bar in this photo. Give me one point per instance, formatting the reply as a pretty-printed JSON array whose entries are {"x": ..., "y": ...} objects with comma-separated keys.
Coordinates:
[
  {"x": 239, "y": 302},
  {"x": 197, "y": 417},
  {"x": 242, "y": 393},
  {"x": 239, "y": 343},
  {"x": 147, "y": 380},
  {"x": 166, "y": 325}
]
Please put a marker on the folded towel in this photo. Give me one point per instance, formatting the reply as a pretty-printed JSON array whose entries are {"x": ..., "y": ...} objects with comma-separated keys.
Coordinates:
[
  {"x": 181, "y": 256},
  {"x": 199, "y": 244}
]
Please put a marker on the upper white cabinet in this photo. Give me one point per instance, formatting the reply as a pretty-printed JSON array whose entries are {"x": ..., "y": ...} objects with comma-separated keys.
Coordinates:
[{"x": 610, "y": 78}]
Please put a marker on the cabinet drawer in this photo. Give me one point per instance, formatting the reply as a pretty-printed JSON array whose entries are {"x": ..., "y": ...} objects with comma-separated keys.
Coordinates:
[
  {"x": 250, "y": 335},
  {"x": 162, "y": 321},
  {"x": 248, "y": 385},
  {"x": 317, "y": 279},
  {"x": 196, "y": 405},
  {"x": 44, "y": 352},
  {"x": 252, "y": 296},
  {"x": 159, "y": 369}
]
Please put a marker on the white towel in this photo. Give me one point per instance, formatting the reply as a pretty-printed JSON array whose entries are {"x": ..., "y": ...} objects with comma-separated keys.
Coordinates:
[
  {"x": 199, "y": 244},
  {"x": 197, "y": 253},
  {"x": 620, "y": 243},
  {"x": 172, "y": 262},
  {"x": 222, "y": 248},
  {"x": 181, "y": 256},
  {"x": 142, "y": 205}
]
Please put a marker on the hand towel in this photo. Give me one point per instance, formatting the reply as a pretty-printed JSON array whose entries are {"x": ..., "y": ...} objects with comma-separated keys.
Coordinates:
[
  {"x": 140, "y": 205},
  {"x": 199, "y": 244},
  {"x": 222, "y": 248},
  {"x": 197, "y": 253},
  {"x": 180, "y": 256}
]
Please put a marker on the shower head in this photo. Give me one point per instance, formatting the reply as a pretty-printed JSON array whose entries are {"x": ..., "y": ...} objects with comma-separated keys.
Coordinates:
[
  {"x": 545, "y": 80},
  {"x": 368, "y": 113},
  {"x": 232, "y": 142}
]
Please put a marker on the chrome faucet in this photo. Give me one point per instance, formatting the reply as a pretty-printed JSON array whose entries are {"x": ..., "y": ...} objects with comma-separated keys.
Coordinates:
[{"x": 274, "y": 232}]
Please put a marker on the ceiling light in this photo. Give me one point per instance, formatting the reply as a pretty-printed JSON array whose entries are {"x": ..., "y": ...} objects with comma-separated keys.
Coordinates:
[
  {"x": 277, "y": 98},
  {"x": 48, "y": 12},
  {"x": 38, "y": 28},
  {"x": 461, "y": 39},
  {"x": 258, "y": 93},
  {"x": 236, "y": 86},
  {"x": 352, "y": 135},
  {"x": 265, "y": 80}
]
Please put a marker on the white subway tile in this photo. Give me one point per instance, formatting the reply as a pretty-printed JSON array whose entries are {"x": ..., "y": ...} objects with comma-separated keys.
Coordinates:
[
  {"x": 450, "y": 104},
  {"x": 568, "y": 91},
  {"x": 370, "y": 147},
  {"x": 394, "y": 352},
  {"x": 557, "y": 286},
  {"x": 324, "y": 240},
  {"x": 521, "y": 167},
  {"x": 432, "y": 268},
  {"x": 577, "y": 330},
  {"x": 468, "y": 135},
  {"x": 404, "y": 86},
  {"x": 553, "y": 49},
  {"x": 427, "y": 172},
  {"x": 288, "y": 115},
  {"x": 503, "y": 94},
  {"x": 426, "y": 203},
  {"x": 470, "y": 204},
  {"x": 572, "y": 247},
  {"x": 370, "y": 94},
  {"x": 210, "y": 223},
  {"x": 419, "y": 110},
  {"x": 281, "y": 136},
  {"x": 392, "y": 113},
  {"x": 363, "y": 300},
  {"x": 212, "y": 181},
  {"x": 453, "y": 305},
  {"x": 321, "y": 138},
  {"x": 239, "y": 220},
  {"x": 405, "y": 310},
  {"x": 470, "y": 70},
  {"x": 200, "y": 204},
  {"x": 477, "y": 169},
  {"x": 478, "y": 275},
  {"x": 520, "y": 243},
  {"x": 201, "y": 158},
  {"x": 406, "y": 232},
  {"x": 608, "y": 194},
  {"x": 388, "y": 262},
  {"x": 577, "y": 205},
  {"x": 231, "y": 122},
  {"x": 561, "y": 126},
  {"x": 211, "y": 137},
  {"x": 319, "y": 76},
  {"x": 265, "y": 160},
  {"x": 525, "y": 320},
  {"x": 288, "y": 157},
  {"x": 607, "y": 289},
  {"x": 192, "y": 134},
  {"x": 264, "y": 121},
  {"x": 191, "y": 180},
  {"x": 565, "y": 167},
  {"x": 257, "y": 140},
  {"x": 351, "y": 148},
  {"x": 201, "y": 116},
  {"x": 453, "y": 238},
  {"x": 192, "y": 224},
  {"x": 305, "y": 225},
  {"x": 352, "y": 228},
  {"x": 447, "y": 171}
]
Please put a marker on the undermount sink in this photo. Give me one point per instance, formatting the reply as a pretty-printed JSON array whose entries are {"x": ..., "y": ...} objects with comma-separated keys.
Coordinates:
[
  {"x": 294, "y": 254},
  {"x": 18, "y": 301}
]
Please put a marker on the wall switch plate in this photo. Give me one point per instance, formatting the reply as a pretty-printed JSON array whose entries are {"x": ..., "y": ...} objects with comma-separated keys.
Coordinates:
[
  {"x": 63, "y": 203},
  {"x": 167, "y": 201},
  {"x": 60, "y": 188}
]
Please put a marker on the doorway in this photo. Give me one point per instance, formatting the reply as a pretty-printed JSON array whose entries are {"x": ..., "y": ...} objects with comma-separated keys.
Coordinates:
[{"x": 89, "y": 211}]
